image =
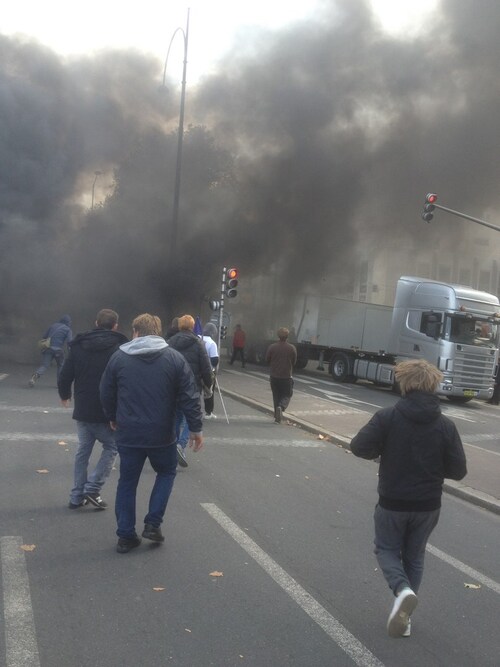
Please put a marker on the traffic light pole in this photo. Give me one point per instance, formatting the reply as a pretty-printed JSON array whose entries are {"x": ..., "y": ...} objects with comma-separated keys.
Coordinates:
[
  {"x": 467, "y": 217},
  {"x": 221, "y": 308}
]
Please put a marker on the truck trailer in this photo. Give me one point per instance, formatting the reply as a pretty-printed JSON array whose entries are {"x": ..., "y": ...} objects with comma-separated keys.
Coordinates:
[{"x": 454, "y": 327}]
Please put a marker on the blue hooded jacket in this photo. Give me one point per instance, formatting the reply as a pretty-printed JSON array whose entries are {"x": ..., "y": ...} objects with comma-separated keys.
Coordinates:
[{"x": 59, "y": 333}]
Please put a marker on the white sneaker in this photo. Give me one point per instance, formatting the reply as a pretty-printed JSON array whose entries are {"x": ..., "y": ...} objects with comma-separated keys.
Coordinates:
[
  {"x": 407, "y": 632},
  {"x": 402, "y": 609},
  {"x": 211, "y": 416}
]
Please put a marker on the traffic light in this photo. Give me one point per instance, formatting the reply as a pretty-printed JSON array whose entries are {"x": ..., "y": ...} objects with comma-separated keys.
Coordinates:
[
  {"x": 231, "y": 283},
  {"x": 429, "y": 207},
  {"x": 223, "y": 332},
  {"x": 213, "y": 304}
]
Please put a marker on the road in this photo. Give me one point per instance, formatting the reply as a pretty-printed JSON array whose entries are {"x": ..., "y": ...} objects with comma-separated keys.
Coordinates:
[{"x": 268, "y": 555}]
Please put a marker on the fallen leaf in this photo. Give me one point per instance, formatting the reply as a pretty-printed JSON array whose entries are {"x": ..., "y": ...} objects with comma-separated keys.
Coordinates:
[
  {"x": 158, "y": 588},
  {"x": 276, "y": 475},
  {"x": 216, "y": 574},
  {"x": 187, "y": 630},
  {"x": 45, "y": 412},
  {"x": 321, "y": 437},
  {"x": 62, "y": 443},
  {"x": 43, "y": 470},
  {"x": 475, "y": 586},
  {"x": 28, "y": 547}
]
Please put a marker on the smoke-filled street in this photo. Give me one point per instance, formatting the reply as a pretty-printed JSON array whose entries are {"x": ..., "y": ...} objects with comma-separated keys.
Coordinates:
[{"x": 267, "y": 560}]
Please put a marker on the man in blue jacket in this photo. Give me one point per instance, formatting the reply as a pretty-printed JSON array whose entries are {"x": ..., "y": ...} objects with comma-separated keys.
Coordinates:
[
  {"x": 58, "y": 335},
  {"x": 88, "y": 355},
  {"x": 140, "y": 389},
  {"x": 418, "y": 448}
]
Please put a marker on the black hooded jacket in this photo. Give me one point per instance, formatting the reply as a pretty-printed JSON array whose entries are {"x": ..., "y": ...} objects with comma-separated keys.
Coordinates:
[
  {"x": 418, "y": 448},
  {"x": 193, "y": 350},
  {"x": 88, "y": 356}
]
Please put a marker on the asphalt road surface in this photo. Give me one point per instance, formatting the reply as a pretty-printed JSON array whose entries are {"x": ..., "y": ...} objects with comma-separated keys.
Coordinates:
[{"x": 267, "y": 561}]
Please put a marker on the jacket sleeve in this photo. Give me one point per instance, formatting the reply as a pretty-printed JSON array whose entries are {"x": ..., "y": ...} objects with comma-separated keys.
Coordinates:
[
  {"x": 207, "y": 374},
  {"x": 368, "y": 443},
  {"x": 188, "y": 396},
  {"x": 108, "y": 390},
  {"x": 66, "y": 377},
  {"x": 455, "y": 465}
]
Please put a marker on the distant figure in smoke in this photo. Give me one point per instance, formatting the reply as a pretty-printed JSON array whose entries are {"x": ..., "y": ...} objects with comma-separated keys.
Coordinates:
[
  {"x": 281, "y": 356},
  {"x": 209, "y": 338},
  {"x": 173, "y": 328},
  {"x": 239, "y": 339},
  {"x": 59, "y": 334},
  {"x": 418, "y": 448},
  {"x": 193, "y": 350},
  {"x": 89, "y": 353}
]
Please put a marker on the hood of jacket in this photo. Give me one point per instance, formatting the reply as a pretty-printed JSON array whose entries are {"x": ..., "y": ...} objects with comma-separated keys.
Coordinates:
[
  {"x": 420, "y": 406},
  {"x": 183, "y": 340},
  {"x": 98, "y": 339},
  {"x": 147, "y": 348}
]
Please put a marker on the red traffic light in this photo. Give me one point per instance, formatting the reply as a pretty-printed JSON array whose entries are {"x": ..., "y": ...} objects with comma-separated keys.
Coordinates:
[
  {"x": 431, "y": 198},
  {"x": 232, "y": 274}
]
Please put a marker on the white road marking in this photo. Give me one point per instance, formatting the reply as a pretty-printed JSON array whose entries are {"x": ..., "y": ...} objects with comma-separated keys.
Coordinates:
[
  {"x": 342, "y": 398},
  {"x": 3, "y": 376},
  {"x": 453, "y": 413},
  {"x": 39, "y": 437},
  {"x": 465, "y": 569},
  {"x": 33, "y": 408},
  {"x": 333, "y": 628},
  {"x": 263, "y": 442},
  {"x": 20, "y": 637},
  {"x": 482, "y": 449}
]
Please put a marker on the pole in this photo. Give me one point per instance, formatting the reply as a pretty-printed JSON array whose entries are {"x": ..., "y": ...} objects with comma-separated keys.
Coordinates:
[
  {"x": 220, "y": 396},
  {"x": 467, "y": 217}
]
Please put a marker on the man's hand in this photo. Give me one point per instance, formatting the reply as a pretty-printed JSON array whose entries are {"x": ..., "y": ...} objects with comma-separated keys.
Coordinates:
[
  {"x": 66, "y": 402},
  {"x": 113, "y": 426},
  {"x": 196, "y": 441}
]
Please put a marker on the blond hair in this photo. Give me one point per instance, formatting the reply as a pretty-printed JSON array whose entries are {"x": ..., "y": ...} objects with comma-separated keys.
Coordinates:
[
  {"x": 417, "y": 375},
  {"x": 186, "y": 323},
  {"x": 147, "y": 325},
  {"x": 283, "y": 333}
]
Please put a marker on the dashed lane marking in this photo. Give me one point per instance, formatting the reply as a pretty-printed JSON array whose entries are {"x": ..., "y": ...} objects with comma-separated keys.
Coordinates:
[
  {"x": 465, "y": 569},
  {"x": 334, "y": 629},
  {"x": 21, "y": 648}
]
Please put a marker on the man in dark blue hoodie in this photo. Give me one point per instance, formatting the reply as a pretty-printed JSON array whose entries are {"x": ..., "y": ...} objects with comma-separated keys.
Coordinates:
[
  {"x": 140, "y": 389},
  {"x": 58, "y": 334},
  {"x": 88, "y": 356},
  {"x": 418, "y": 448}
]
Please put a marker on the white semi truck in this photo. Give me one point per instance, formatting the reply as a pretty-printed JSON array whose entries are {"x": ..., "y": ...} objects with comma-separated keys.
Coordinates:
[{"x": 454, "y": 327}]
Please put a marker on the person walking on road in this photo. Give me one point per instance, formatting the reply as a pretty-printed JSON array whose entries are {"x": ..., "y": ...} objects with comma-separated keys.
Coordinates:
[
  {"x": 88, "y": 355},
  {"x": 281, "y": 357},
  {"x": 57, "y": 335},
  {"x": 209, "y": 339},
  {"x": 144, "y": 382},
  {"x": 239, "y": 339},
  {"x": 193, "y": 350},
  {"x": 418, "y": 448}
]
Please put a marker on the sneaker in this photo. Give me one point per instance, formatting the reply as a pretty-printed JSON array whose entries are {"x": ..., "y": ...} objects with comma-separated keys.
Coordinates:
[
  {"x": 153, "y": 533},
  {"x": 34, "y": 378},
  {"x": 407, "y": 632},
  {"x": 125, "y": 544},
  {"x": 96, "y": 500},
  {"x": 278, "y": 412},
  {"x": 181, "y": 457},
  {"x": 75, "y": 506},
  {"x": 402, "y": 609},
  {"x": 211, "y": 416}
]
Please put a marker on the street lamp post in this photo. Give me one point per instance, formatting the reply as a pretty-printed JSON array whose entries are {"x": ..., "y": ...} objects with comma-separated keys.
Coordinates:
[
  {"x": 97, "y": 173},
  {"x": 178, "y": 167}
]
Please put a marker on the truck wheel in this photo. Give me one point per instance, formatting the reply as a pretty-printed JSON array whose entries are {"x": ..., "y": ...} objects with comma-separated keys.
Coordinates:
[
  {"x": 459, "y": 399},
  {"x": 301, "y": 362},
  {"x": 340, "y": 368}
]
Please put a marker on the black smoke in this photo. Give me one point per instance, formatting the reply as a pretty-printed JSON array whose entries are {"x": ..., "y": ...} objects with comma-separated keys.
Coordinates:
[{"x": 308, "y": 147}]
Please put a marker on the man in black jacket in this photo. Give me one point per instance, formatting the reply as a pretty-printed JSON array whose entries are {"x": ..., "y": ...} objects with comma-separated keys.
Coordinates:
[
  {"x": 418, "y": 448},
  {"x": 193, "y": 350},
  {"x": 88, "y": 356}
]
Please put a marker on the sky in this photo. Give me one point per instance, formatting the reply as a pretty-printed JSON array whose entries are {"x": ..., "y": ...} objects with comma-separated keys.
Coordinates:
[{"x": 75, "y": 28}]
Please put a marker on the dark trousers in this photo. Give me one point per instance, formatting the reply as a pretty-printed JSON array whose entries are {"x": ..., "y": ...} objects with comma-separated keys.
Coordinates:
[
  {"x": 238, "y": 352},
  {"x": 400, "y": 541},
  {"x": 282, "y": 389}
]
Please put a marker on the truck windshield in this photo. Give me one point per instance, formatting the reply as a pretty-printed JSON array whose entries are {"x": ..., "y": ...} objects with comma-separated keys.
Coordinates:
[{"x": 471, "y": 331}]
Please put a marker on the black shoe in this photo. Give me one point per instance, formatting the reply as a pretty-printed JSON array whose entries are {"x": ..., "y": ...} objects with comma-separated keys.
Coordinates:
[
  {"x": 181, "y": 457},
  {"x": 96, "y": 500},
  {"x": 75, "y": 506},
  {"x": 277, "y": 414},
  {"x": 152, "y": 533},
  {"x": 125, "y": 544}
]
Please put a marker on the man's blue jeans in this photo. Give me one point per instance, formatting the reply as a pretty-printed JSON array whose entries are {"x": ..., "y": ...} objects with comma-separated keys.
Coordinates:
[
  {"x": 164, "y": 462},
  {"x": 88, "y": 433},
  {"x": 47, "y": 357}
]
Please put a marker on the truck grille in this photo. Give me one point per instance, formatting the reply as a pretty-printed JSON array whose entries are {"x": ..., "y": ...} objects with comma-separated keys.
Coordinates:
[{"x": 473, "y": 370}]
